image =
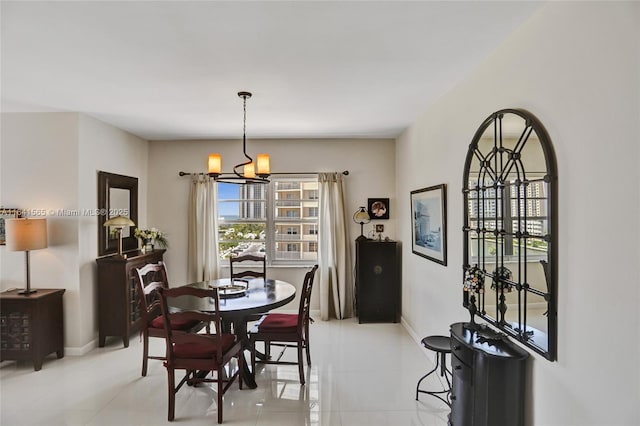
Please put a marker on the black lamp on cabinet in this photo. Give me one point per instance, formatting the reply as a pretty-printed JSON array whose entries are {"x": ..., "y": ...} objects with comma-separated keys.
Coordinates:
[{"x": 361, "y": 216}]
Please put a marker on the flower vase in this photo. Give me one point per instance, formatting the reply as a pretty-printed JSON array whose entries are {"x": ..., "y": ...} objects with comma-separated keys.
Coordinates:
[{"x": 146, "y": 245}]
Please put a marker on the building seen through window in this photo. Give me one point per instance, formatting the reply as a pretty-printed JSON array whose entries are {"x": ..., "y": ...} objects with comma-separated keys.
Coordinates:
[{"x": 279, "y": 219}]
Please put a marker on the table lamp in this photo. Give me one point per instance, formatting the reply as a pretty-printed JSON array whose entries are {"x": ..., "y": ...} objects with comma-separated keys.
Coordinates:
[
  {"x": 361, "y": 217},
  {"x": 119, "y": 222},
  {"x": 26, "y": 235}
]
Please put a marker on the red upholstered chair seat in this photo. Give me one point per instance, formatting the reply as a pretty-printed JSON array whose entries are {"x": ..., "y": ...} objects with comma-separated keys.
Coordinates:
[
  {"x": 279, "y": 323},
  {"x": 176, "y": 323},
  {"x": 205, "y": 349}
]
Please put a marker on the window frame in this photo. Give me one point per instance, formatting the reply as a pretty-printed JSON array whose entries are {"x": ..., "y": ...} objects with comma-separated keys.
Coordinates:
[{"x": 271, "y": 239}]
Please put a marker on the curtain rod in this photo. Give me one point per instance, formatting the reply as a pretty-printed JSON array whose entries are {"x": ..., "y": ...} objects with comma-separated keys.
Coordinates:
[{"x": 346, "y": 173}]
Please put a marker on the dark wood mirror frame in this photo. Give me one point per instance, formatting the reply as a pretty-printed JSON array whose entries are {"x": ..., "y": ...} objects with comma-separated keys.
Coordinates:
[
  {"x": 496, "y": 165},
  {"x": 106, "y": 182}
]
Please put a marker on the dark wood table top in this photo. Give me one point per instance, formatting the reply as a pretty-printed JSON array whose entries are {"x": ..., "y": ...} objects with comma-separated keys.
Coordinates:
[
  {"x": 259, "y": 297},
  {"x": 40, "y": 293}
]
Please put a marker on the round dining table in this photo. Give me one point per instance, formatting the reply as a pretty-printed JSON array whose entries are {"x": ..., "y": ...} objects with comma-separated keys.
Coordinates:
[{"x": 239, "y": 301}]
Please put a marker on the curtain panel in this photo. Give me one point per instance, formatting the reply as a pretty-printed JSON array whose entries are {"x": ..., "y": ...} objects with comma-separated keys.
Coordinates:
[
  {"x": 203, "y": 225},
  {"x": 334, "y": 256}
]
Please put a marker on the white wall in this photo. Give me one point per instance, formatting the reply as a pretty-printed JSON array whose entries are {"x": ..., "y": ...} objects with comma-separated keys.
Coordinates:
[
  {"x": 107, "y": 148},
  {"x": 371, "y": 174},
  {"x": 39, "y": 173},
  {"x": 576, "y": 67},
  {"x": 50, "y": 163}
]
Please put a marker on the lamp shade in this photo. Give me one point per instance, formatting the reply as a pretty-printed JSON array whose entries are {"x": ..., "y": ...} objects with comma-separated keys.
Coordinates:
[
  {"x": 264, "y": 167},
  {"x": 361, "y": 216},
  {"x": 119, "y": 222},
  {"x": 26, "y": 234},
  {"x": 250, "y": 170},
  {"x": 215, "y": 164}
]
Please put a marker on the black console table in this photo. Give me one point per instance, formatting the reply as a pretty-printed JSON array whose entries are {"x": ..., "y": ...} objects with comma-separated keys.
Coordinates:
[{"x": 489, "y": 378}]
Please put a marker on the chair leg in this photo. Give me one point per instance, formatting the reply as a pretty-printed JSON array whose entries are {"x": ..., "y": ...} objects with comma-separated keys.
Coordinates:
[
  {"x": 172, "y": 393},
  {"x": 300, "y": 363},
  {"x": 220, "y": 391},
  {"x": 306, "y": 345},
  {"x": 241, "y": 361},
  {"x": 253, "y": 356},
  {"x": 145, "y": 352}
]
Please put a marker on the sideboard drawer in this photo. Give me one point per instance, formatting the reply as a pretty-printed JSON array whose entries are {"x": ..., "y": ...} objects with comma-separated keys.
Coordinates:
[
  {"x": 461, "y": 369},
  {"x": 462, "y": 352}
]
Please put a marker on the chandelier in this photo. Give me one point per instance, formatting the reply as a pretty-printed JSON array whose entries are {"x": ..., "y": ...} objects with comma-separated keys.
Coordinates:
[{"x": 247, "y": 171}]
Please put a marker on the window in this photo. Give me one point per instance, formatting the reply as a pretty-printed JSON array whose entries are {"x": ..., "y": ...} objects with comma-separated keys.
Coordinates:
[{"x": 279, "y": 219}]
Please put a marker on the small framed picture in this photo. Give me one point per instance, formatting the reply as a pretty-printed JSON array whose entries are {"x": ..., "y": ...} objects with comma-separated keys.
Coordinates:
[
  {"x": 379, "y": 228},
  {"x": 378, "y": 208},
  {"x": 6, "y": 214}
]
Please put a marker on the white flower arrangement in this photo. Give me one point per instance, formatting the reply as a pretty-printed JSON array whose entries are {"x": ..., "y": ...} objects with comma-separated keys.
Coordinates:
[{"x": 152, "y": 235}]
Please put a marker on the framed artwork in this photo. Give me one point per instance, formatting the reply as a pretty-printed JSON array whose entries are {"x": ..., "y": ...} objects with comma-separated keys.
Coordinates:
[
  {"x": 428, "y": 223},
  {"x": 378, "y": 208},
  {"x": 6, "y": 214}
]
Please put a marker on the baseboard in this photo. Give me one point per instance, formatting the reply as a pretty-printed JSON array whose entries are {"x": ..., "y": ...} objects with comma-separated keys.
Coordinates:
[
  {"x": 82, "y": 350},
  {"x": 417, "y": 339}
]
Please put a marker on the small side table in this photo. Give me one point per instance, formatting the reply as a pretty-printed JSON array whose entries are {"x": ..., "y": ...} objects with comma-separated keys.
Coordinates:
[
  {"x": 31, "y": 326},
  {"x": 441, "y": 345}
]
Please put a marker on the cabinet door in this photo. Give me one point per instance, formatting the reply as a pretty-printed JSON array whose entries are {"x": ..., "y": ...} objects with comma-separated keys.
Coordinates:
[
  {"x": 378, "y": 281},
  {"x": 461, "y": 394}
]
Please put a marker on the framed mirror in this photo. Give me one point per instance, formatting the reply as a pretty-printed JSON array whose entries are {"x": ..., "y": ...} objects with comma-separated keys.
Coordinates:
[
  {"x": 510, "y": 237},
  {"x": 117, "y": 195}
]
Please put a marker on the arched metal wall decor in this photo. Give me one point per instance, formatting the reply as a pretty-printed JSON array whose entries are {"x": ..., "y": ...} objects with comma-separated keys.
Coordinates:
[{"x": 510, "y": 229}]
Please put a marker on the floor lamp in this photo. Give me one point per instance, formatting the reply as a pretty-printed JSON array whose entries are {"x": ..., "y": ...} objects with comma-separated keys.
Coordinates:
[{"x": 26, "y": 235}]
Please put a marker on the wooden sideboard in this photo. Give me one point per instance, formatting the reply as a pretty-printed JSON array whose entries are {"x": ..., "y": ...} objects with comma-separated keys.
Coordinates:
[
  {"x": 489, "y": 378},
  {"x": 118, "y": 308},
  {"x": 31, "y": 326}
]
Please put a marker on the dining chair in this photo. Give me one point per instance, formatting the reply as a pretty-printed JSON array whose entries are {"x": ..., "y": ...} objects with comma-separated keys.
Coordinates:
[
  {"x": 149, "y": 279},
  {"x": 261, "y": 271},
  {"x": 245, "y": 275},
  {"x": 199, "y": 353},
  {"x": 286, "y": 330}
]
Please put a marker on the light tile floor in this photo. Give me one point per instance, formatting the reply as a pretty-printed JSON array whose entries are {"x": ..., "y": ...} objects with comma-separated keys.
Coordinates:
[{"x": 362, "y": 374}]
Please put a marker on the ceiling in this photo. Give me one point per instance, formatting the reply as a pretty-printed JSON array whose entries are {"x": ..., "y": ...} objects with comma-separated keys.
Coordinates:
[{"x": 167, "y": 70}]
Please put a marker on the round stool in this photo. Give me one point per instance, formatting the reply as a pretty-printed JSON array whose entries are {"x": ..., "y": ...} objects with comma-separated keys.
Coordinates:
[{"x": 441, "y": 345}]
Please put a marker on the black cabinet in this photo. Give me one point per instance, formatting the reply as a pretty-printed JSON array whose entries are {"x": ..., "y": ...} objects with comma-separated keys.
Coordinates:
[
  {"x": 489, "y": 379},
  {"x": 378, "y": 280}
]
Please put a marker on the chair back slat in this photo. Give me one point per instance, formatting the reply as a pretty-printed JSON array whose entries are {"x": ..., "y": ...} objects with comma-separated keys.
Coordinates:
[
  {"x": 305, "y": 298},
  {"x": 261, "y": 273},
  {"x": 149, "y": 279}
]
